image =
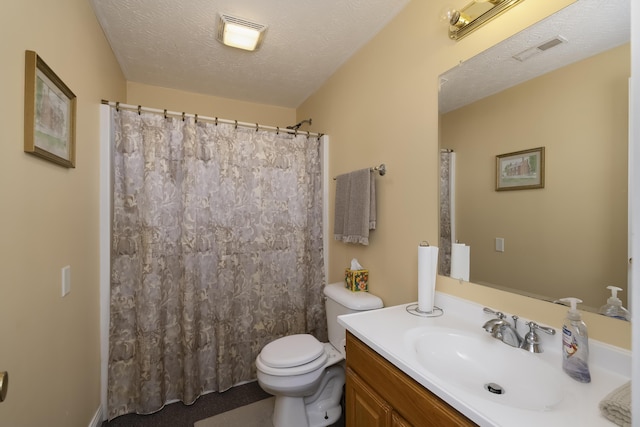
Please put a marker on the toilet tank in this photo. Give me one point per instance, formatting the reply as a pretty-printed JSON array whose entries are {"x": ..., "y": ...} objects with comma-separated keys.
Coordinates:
[{"x": 341, "y": 300}]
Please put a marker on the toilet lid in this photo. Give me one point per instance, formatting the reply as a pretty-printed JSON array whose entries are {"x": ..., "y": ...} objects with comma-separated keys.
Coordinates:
[{"x": 292, "y": 350}]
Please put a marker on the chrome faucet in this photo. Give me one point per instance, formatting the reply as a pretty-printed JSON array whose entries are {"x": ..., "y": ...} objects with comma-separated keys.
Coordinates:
[
  {"x": 531, "y": 341},
  {"x": 501, "y": 329}
]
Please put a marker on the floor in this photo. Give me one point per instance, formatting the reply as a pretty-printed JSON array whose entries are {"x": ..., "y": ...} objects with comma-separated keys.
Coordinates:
[
  {"x": 181, "y": 415},
  {"x": 208, "y": 405}
]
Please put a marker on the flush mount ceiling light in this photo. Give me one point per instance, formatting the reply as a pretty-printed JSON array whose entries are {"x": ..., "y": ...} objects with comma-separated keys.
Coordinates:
[
  {"x": 240, "y": 33},
  {"x": 474, "y": 15}
]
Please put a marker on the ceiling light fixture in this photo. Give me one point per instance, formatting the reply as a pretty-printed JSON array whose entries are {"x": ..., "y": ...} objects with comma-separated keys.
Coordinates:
[{"x": 240, "y": 33}]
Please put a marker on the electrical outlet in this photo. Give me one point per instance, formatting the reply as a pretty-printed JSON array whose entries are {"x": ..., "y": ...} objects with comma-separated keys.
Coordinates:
[
  {"x": 66, "y": 280},
  {"x": 499, "y": 244}
]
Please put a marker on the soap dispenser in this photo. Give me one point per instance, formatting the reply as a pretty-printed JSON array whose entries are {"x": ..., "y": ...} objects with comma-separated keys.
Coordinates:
[
  {"x": 575, "y": 344},
  {"x": 613, "y": 307}
]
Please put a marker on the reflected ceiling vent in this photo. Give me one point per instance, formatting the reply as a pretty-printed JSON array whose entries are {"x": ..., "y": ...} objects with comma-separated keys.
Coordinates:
[{"x": 533, "y": 51}]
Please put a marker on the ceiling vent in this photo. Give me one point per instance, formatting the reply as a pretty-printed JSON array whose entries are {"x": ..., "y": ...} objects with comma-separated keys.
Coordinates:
[
  {"x": 240, "y": 33},
  {"x": 533, "y": 51}
]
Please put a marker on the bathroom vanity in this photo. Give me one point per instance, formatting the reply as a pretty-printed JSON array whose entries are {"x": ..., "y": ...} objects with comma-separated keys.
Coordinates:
[
  {"x": 378, "y": 393},
  {"x": 407, "y": 370}
]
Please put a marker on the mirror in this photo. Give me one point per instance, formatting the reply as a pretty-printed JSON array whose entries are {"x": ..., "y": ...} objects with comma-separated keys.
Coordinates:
[{"x": 561, "y": 84}]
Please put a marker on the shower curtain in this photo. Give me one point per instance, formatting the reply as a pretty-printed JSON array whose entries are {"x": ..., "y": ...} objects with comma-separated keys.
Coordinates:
[
  {"x": 216, "y": 250},
  {"x": 447, "y": 208}
]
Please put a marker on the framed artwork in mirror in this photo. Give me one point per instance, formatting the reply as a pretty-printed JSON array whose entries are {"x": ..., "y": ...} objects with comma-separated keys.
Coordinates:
[
  {"x": 49, "y": 114},
  {"x": 520, "y": 170}
]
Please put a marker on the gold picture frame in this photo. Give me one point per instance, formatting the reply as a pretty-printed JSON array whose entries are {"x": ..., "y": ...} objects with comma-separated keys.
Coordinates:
[
  {"x": 49, "y": 114},
  {"x": 520, "y": 170}
]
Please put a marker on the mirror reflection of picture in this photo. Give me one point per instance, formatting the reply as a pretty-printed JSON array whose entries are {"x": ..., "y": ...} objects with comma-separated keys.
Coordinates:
[{"x": 521, "y": 170}]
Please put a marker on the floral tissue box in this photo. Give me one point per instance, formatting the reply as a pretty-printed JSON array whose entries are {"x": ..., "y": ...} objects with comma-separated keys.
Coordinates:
[{"x": 356, "y": 280}]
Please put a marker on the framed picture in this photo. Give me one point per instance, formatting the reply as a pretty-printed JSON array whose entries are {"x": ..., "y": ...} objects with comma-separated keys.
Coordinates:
[
  {"x": 520, "y": 170},
  {"x": 49, "y": 114}
]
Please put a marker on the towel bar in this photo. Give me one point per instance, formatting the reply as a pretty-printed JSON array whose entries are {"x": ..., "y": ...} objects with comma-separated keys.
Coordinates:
[{"x": 382, "y": 169}]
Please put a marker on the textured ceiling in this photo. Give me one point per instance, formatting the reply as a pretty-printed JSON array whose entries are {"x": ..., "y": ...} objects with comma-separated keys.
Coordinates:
[
  {"x": 588, "y": 26},
  {"x": 173, "y": 44}
]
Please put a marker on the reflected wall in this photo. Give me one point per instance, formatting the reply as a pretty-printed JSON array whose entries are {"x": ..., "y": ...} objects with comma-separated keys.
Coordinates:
[{"x": 569, "y": 238}]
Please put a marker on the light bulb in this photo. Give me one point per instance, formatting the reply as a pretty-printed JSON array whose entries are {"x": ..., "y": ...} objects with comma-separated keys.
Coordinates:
[{"x": 449, "y": 15}]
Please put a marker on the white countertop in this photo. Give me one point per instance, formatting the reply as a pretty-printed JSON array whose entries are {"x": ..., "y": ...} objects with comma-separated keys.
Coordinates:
[{"x": 387, "y": 332}]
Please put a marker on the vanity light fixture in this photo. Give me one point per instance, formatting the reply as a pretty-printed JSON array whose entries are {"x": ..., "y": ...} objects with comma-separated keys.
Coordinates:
[
  {"x": 240, "y": 33},
  {"x": 474, "y": 15}
]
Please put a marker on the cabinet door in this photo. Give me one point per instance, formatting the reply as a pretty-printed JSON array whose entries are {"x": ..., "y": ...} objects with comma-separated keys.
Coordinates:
[
  {"x": 364, "y": 408},
  {"x": 417, "y": 405},
  {"x": 398, "y": 421}
]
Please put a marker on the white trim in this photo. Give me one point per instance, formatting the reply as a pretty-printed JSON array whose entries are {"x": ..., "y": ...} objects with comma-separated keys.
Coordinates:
[
  {"x": 634, "y": 210},
  {"x": 105, "y": 248},
  {"x": 324, "y": 149},
  {"x": 97, "y": 419},
  {"x": 452, "y": 196}
]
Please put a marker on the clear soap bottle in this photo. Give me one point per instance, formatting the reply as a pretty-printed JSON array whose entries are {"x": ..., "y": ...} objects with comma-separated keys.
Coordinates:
[
  {"x": 613, "y": 307},
  {"x": 575, "y": 344}
]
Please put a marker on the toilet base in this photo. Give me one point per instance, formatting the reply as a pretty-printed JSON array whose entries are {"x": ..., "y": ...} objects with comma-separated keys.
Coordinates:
[
  {"x": 319, "y": 410},
  {"x": 289, "y": 412}
]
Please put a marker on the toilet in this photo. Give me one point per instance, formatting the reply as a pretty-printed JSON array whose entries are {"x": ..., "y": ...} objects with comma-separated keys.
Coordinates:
[{"x": 307, "y": 376}]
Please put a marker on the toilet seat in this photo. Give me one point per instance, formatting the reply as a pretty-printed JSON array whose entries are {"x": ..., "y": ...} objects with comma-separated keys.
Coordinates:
[{"x": 292, "y": 355}]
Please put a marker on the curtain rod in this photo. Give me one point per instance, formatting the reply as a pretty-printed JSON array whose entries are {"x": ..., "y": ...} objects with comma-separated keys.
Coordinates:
[{"x": 256, "y": 126}]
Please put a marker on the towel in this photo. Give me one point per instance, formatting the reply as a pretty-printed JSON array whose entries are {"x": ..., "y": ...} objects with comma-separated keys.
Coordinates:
[
  {"x": 355, "y": 206},
  {"x": 616, "y": 407}
]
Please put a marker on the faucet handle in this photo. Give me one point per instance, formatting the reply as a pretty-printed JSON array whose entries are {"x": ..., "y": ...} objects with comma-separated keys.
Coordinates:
[
  {"x": 531, "y": 342},
  {"x": 534, "y": 325},
  {"x": 498, "y": 314}
]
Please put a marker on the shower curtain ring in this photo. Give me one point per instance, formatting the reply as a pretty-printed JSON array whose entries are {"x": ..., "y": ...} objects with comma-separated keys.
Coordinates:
[
  {"x": 277, "y": 130},
  {"x": 118, "y": 106},
  {"x": 165, "y": 114},
  {"x": 256, "y": 127},
  {"x": 236, "y": 126},
  {"x": 196, "y": 118},
  {"x": 139, "y": 109},
  {"x": 216, "y": 121}
]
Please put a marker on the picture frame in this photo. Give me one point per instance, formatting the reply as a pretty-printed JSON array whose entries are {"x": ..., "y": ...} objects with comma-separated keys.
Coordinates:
[
  {"x": 520, "y": 170},
  {"x": 49, "y": 114}
]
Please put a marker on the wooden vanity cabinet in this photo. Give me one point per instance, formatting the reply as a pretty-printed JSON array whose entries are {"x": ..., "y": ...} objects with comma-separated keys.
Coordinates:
[{"x": 380, "y": 395}]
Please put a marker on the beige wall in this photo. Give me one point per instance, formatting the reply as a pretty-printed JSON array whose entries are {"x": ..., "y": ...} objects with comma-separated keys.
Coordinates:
[
  {"x": 210, "y": 106},
  {"x": 580, "y": 115},
  {"x": 49, "y": 344},
  {"x": 381, "y": 107}
]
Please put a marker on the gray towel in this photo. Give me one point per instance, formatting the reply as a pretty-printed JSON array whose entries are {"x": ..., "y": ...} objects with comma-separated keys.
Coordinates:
[
  {"x": 355, "y": 207},
  {"x": 616, "y": 406}
]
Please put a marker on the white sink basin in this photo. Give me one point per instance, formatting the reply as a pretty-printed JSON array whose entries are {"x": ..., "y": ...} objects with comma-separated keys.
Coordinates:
[{"x": 488, "y": 368}]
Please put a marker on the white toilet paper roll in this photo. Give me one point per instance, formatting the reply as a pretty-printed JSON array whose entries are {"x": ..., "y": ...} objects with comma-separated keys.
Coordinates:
[
  {"x": 427, "y": 270},
  {"x": 460, "y": 257}
]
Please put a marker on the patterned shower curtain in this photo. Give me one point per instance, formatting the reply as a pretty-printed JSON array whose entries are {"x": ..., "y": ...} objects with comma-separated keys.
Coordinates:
[
  {"x": 216, "y": 250},
  {"x": 446, "y": 196}
]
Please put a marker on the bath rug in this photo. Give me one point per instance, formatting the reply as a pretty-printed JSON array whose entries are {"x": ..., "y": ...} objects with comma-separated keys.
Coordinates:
[{"x": 257, "y": 414}]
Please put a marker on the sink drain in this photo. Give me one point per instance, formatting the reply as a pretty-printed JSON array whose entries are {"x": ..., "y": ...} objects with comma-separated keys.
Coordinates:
[{"x": 494, "y": 388}]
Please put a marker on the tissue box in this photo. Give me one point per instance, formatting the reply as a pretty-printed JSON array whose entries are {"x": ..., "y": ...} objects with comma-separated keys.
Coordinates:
[{"x": 356, "y": 280}]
